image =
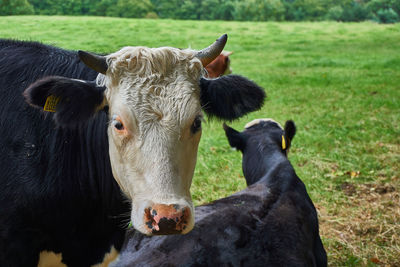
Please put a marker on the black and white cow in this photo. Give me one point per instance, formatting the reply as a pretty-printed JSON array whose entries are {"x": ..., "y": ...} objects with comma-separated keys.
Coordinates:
[
  {"x": 273, "y": 222},
  {"x": 89, "y": 143}
]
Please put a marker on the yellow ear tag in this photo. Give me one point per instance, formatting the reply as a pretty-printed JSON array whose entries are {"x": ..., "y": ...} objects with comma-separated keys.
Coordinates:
[
  {"x": 51, "y": 103},
  {"x": 283, "y": 143}
]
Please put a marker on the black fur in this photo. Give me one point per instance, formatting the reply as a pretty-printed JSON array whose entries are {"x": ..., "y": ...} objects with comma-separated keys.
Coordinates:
[
  {"x": 230, "y": 97},
  {"x": 57, "y": 191},
  {"x": 264, "y": 161},
  {"x": 79, "y": 100},
  {"x": 236, "y": 140},
  {"x": 290, "y": 131}
]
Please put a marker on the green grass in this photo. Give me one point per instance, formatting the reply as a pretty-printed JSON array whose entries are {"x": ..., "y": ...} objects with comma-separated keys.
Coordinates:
[{"x": 340, "y": 83}]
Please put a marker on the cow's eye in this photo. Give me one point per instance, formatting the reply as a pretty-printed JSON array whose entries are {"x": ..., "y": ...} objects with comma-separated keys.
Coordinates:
[
  {"x": 119, "y": 126},
  {"x": 117, "y": 123},
  {"x": 196, "y": 126}
]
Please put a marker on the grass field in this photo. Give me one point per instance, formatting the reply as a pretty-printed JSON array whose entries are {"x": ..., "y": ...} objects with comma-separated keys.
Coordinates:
[{"x": 340, "y": 83}]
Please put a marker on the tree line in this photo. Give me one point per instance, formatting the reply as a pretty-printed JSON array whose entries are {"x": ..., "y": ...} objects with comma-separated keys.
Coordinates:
[{"x": 382, "y": 11}]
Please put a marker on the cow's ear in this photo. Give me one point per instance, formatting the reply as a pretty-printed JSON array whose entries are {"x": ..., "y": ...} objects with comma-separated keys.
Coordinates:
[
  {"x": 230, "y": 97},
  {"x": 290, "y": 131},
  {"x": 235, "y": 138},
  {"x": 73, "y": 101}
]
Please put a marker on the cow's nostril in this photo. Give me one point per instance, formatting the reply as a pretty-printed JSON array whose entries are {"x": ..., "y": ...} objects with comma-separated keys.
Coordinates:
[
  {"x": 164, "y": 219},
  {"x": 166, "y": 227}
]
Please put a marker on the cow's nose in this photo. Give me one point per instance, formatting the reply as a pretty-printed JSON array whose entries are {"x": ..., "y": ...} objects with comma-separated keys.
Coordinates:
[{"x": 163, "y": 219}]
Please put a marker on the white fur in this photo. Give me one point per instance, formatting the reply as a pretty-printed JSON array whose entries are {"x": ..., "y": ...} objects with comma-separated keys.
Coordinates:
[
  {"x": 155, "y": 92},
  {"x": 257, "y": 121}
]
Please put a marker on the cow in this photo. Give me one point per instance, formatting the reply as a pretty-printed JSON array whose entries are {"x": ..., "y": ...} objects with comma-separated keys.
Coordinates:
[
  {"x": 90, "y": 143},
  {"x": 272, "y": 222},
  {"x": 219, "y": 66}
]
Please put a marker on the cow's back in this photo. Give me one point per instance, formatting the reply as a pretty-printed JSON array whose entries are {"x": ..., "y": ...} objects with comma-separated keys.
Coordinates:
[{"x": 259, "y": 226}]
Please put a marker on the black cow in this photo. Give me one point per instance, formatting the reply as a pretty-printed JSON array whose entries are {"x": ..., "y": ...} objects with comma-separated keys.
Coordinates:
[
  {"x": 57, "y": 186},
  {"x": 271, "y": 223}
]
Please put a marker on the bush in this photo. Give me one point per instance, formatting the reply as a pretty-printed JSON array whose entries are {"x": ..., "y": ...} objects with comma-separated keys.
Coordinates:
[
  {"x": 151, "y": 15},
  {"x": 355, "y": 12},
  {"x": 387, "y": 16},
  {"x": 335, "y": 13},
  {"x": 386, "y": 8}
]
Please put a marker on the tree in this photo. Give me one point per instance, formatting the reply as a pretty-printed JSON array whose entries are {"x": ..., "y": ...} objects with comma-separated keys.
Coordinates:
[
  {"x": 167, "y": 8},
  {"x": 259, "y": 10},
  {"x": 57, "y": 7},
  {"x": 272, "y": 10},
  {"x": 105, "y": 8},
  {"x": 354, "y": 12},
  {"x": 88, "y": 7},
  {"x": 225, "y": 10},
  {"x": 209, "y": 9},
  {"x": 384, "y": 11},
  {"x": 15, "y": 7},
  {"x": 308, "y": 9},
  {"x": 134, "y": 8},
  {"x": 335, "y": 13},
  {"x": 188, "y": 9}
]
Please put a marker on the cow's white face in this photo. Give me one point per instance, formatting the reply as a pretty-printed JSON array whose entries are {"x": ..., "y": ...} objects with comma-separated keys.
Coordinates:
[{"x": 154, "y": 131}]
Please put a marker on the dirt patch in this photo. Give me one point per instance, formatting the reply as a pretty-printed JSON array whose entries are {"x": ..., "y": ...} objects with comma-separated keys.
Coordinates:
[
  {"x": 348, "y": 188},
  {"x": 378, "y": 189},
  {"x": 365, "y": 223}
]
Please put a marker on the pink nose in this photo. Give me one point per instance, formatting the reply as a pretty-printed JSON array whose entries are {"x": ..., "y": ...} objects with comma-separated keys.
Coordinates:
[{"x": 163, "y": 219}]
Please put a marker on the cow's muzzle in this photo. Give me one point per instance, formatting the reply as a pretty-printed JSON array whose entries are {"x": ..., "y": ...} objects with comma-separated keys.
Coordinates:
[{"x": 161, "y": 219}]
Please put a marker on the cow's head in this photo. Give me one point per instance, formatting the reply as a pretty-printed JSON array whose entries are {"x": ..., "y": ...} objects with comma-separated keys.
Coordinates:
[
  {"x": 155, "y": 97},
  {"x": 261, "y": 138}
]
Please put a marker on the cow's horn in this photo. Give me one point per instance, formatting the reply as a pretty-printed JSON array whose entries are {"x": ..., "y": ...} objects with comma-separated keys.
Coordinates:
[
  {"x": 95, "y": 62},
  {"x": 210, "y": 53}
]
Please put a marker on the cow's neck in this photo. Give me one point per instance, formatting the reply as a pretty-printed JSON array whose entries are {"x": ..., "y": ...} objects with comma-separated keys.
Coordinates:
[{"x": 270, "y": 168}]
